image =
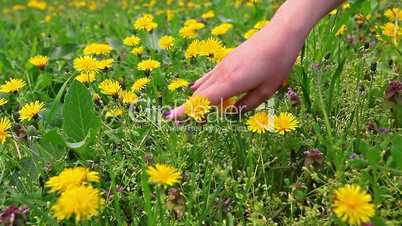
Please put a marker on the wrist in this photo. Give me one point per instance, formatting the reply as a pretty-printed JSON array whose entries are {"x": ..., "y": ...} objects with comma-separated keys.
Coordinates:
[{"x": 300, "y": 16}]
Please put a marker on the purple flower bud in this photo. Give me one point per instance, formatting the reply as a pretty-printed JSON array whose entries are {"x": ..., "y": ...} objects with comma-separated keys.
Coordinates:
[
  {"x": 394, "y": 88},
  {"x": 383, "y": 130},
  {"x": 313, "y": 157},
  {"x": 371, "y": 126},
  {"x": 293, "y": 97},
  {"x": 353, "y": 156},
  {"x": 14, "y": 215}
]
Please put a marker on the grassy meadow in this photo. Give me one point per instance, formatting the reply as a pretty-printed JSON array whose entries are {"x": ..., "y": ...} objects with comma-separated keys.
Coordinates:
[{"x": 83, "y": 141}]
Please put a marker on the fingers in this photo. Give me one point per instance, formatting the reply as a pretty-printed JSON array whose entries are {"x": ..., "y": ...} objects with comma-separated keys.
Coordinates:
[
  {"x": 201, "y": 80},
  {"x": 256, "y": 96},
  {"x": 176, "y": 114}
]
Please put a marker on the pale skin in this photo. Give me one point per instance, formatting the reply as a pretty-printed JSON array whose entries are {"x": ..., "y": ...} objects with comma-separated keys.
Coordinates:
[{"x": 257, "y": 67}]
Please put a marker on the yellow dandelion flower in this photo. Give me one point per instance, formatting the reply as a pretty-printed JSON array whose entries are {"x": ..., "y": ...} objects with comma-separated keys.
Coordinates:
[
  {"x": 114, "y": 112},
  {"x": 128, "y": 97},
  {"x": 250, "y": 33},
  {"x": 163, "y": 174},
  {"x": 132, "y": 41},
  {"x": 166, "y": 42},
  {"x": 194, "y": 24},
  {"x": 92, "y": 5},
  {"x": 145, "y": 23},
  {"x": 392, "y": 30},
  {"x": 18, "y": 7},
  {"x": 221, "y": 29},
  {"x": 86, "y": 64},
  {"x": 83, "y": 202},
  {"x": 341, "y": 30},
  {"x": 110, "y": 87},
  {"x": 37, "y": 4},
  {"x": 196, "y": 107},
  {"x": 177, "y": 83},
  {"x": 285, "y": 122},
  {"x": 220, "y": 53},
  {"x": 258, "y": 123},
  {"x": 169, "y": 14},
  {"x": 210, "y": 47},
  {"x": 353, "y": 205},
  {"x": 5, "y": 124},
  {"x": 31, "y": 110},
  {"x": 188, "y": 32},
  {"x": 148, "y": 65},
  {"x": 140, "y": 84},
  {"x": 298, "y": 60},
  {"x": 12, "y": 86},
  {"x": 3, "y": 101},
  {"x": 333, "y": 12},
  {"x": 261, "y": 24},
  {"x": 97, "y": 49},
  {"x": 393, "y": 14},
  {"x": 138, "y": 50},
  {"x": 39, "y": 61},
  {"x": 346, "y": 5},
  {"x": 208, "y": 15},
  {"x": 71, "y": 177},
  {"x": 86, "y": 77},
  {"x": 105, "y": 64},
  {"x": 227, "y": 105},
  {"x": 190, "y": 28},
  {"x": 193, "y": 49}
]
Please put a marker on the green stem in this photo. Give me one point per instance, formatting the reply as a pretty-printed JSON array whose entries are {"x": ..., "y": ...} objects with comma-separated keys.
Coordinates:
[{"x": 160, "y": 206}]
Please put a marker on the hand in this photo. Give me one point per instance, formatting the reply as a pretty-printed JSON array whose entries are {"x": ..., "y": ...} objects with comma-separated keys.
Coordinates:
[
  {"x": 255, "y": 69},
  {"x": 258, "y": 66}
]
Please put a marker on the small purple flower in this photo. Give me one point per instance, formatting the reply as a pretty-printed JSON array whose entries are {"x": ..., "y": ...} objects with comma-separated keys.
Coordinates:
[
  {"x": 293, "y": 97},
  {"x": 371, "y": 126},
  {"x": 383, "y": 130},
  {"x": 353, "y": 156},
  {"x": 313, "y": 157},
  {"x": 394, "y": 88},
  {"x": 14, "y": 215}
]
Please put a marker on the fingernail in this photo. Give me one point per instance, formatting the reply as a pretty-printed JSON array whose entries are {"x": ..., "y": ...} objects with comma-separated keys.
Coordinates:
[{"x": 166, "y": 114}]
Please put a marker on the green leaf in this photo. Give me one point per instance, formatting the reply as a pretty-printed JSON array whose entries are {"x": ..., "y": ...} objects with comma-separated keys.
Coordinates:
[
  {"x": 56, "y": 103},
  {"x": 44, "y": 81},
  {"x": 79, "y": 113},
  {"x": 83, "y": 147},
  {"x": 50, "y": 148}
]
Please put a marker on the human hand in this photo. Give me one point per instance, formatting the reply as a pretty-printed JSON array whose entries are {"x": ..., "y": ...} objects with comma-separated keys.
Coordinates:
[{"x": 257, "y": 68}]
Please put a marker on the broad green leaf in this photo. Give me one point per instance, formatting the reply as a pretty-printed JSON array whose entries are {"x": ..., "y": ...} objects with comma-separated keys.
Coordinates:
[
  {"x": 50, "y": 148},
  {"x": 83, "y": 147},
  {"x": 56, "y": 103},
  {"x": 79, "y": 113}
]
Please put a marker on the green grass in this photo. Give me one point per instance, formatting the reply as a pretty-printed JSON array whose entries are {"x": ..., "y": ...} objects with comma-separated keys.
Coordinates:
[{"x": 230, "y": 175}]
